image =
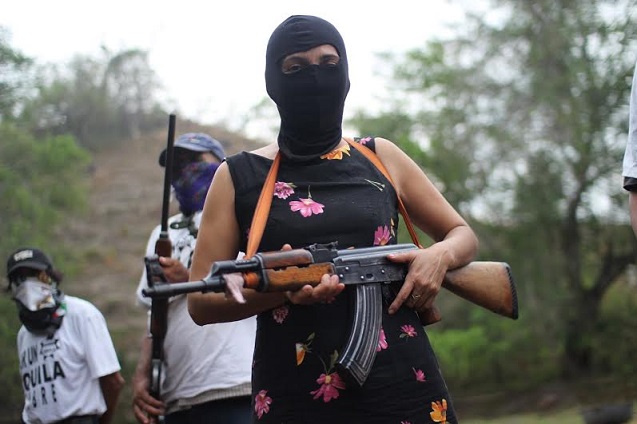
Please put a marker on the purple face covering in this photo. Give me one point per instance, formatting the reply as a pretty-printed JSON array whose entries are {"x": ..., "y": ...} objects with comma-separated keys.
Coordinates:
[
  {"x": 310, "y": 101},
  {"x": 191, "y": 186}
]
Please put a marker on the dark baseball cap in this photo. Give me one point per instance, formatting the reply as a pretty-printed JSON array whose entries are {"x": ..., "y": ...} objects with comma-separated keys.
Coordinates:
[
  {"x": 28, "y": 257},
  {"x": 197, "y": 142}
]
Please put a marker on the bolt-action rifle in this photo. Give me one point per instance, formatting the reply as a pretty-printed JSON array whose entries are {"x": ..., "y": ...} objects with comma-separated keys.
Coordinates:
[
  {"x": 156, "y": 278},
  {"x": 487, "y": 284}
]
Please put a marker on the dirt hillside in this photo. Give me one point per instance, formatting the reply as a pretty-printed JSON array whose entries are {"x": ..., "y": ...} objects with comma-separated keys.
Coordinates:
[{"x": 125, "y": 205}]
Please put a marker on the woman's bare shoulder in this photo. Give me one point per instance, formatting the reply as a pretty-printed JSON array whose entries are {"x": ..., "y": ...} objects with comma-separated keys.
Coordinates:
[
  {"x": 268, "y": 151},
  {"x": 383, "y": 141},
  {"x": 385, "y": 147}
]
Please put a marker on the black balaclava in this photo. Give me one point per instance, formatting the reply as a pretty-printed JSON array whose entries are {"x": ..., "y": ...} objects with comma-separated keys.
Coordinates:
[{"x": 310, "y": 101}]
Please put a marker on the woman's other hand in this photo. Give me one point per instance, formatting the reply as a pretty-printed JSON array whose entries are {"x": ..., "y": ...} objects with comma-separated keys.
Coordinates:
[
  {"x": 325, "y": 292},
  {"x": 427, "y": 269}
]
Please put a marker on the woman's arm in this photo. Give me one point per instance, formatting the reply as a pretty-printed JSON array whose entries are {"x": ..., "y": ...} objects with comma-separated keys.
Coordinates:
[
  {"x": 218, "y": 239},
  {"x": 456, "y": 243}
]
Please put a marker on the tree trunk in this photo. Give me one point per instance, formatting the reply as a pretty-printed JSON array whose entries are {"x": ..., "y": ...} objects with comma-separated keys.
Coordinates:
[{"x": 579, "y": 333}]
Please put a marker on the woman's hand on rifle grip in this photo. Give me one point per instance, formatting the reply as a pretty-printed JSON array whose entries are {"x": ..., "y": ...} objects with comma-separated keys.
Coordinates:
[{"x": 427, "y": 269}]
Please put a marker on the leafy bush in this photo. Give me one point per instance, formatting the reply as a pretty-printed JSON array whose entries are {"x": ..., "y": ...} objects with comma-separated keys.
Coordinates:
[
  {"x": 45, "y": 179},
  {"x": 616, "y": 334},
  {"x": 11, "y": 398},
  {"x": 494, "y": 353}
]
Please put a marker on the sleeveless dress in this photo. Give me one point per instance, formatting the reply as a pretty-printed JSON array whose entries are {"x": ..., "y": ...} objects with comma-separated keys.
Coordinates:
[{"x": 340, "y": 197}]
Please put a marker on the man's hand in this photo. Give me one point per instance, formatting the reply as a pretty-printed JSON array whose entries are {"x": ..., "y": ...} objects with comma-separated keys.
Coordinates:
[
  {"x": 174, "y": 270},
  {"x": 145, "y": 407}
]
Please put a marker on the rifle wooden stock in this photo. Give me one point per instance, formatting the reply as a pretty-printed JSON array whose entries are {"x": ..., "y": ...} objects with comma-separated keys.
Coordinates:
[{"x": 487, "y": 284}]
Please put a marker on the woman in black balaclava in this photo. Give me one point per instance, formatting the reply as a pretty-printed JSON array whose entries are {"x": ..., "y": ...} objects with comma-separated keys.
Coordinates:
[
  {"x": 311, "y": 99},
  {"x": 327, "y": 190}
]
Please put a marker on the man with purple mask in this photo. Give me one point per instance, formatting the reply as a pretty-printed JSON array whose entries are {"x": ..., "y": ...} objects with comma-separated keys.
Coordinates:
[{"x": 207, "y": 370}]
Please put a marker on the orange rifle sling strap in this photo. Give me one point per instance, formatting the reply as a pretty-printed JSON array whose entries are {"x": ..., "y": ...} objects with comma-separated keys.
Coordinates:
[
  {"x": 262, "y": 209},
  {"x": 369, "y": 154}
]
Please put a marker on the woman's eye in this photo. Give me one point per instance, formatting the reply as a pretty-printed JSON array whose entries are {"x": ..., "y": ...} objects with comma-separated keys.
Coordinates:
[
  {"x": 290, "y": 69},
  {"x": 330, "y": 60}
]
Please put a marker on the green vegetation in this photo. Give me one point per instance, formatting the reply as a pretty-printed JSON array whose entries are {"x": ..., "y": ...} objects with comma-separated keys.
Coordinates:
[{"x": 522, "y": 122}]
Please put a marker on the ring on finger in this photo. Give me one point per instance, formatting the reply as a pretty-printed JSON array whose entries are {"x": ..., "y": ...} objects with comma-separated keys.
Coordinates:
[{"x": 415, "y": 296}]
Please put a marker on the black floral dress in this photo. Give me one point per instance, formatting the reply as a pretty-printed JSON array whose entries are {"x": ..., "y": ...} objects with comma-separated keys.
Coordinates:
[{"x": 340, "y": 197}]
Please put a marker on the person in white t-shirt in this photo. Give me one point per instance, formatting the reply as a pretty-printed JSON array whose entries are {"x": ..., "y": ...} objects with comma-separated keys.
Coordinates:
[
  {"x": 630, "y": 156},
  {"x": 207, "y": 370},
  {"x": 68, "y": 364}
]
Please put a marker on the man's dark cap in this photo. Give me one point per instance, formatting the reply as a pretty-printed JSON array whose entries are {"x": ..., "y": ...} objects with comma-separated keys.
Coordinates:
[
  {"x": 28, "y": 257},
  {"x": 197, "y": 142}
]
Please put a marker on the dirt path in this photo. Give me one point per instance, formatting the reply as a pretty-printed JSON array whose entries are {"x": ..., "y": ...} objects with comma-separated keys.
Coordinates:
[{"x": 124, "y": 206}]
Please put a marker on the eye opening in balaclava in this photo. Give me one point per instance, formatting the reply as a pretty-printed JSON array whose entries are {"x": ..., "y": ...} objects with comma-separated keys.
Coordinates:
[{"x": 311, "y": 101}]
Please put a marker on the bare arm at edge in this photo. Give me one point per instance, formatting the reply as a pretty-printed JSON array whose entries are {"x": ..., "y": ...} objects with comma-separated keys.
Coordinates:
[
  {"x": 632, "y": 203},
  {"x": 112, "y": 385}
]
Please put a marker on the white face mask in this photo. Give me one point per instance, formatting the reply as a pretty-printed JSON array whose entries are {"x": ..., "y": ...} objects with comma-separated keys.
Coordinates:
[{"x": 34, "y": 294}]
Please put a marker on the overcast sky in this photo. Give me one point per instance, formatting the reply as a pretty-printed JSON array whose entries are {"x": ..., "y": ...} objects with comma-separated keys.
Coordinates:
[{"x": 209, "y": 54}]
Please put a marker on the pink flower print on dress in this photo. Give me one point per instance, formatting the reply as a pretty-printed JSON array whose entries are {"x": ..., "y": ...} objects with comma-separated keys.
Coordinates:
[
  {"x": 279, "y": 314},
  {"x": 262, "y": 403},
  {"x": 330, "y": 384},
  {"x": 337, "y": 154},
  {"x": 307, "y": 207},
  {"x": 364, "y": 140},
  {"x": 283, "y": 190},
  {"x": 408, "y": 331},
  {"x": 420, "y": 375},
  {"x": 382, "y": 236},
  {"x": 382, "y": 341}
]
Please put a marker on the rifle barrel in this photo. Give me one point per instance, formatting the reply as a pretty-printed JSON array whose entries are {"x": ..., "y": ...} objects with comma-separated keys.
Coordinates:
[
  {"x": 168, "y": 175},
  {"x": 216, "y": 284}
]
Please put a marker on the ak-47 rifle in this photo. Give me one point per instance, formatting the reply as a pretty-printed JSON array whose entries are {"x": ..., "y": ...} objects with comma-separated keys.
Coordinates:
[
  {"x": 487, "y": 284},
  {"x": 155, "y": 275}
]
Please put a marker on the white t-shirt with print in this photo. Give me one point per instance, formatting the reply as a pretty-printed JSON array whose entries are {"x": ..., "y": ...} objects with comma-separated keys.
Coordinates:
[{"x": 60, "y": 374}]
